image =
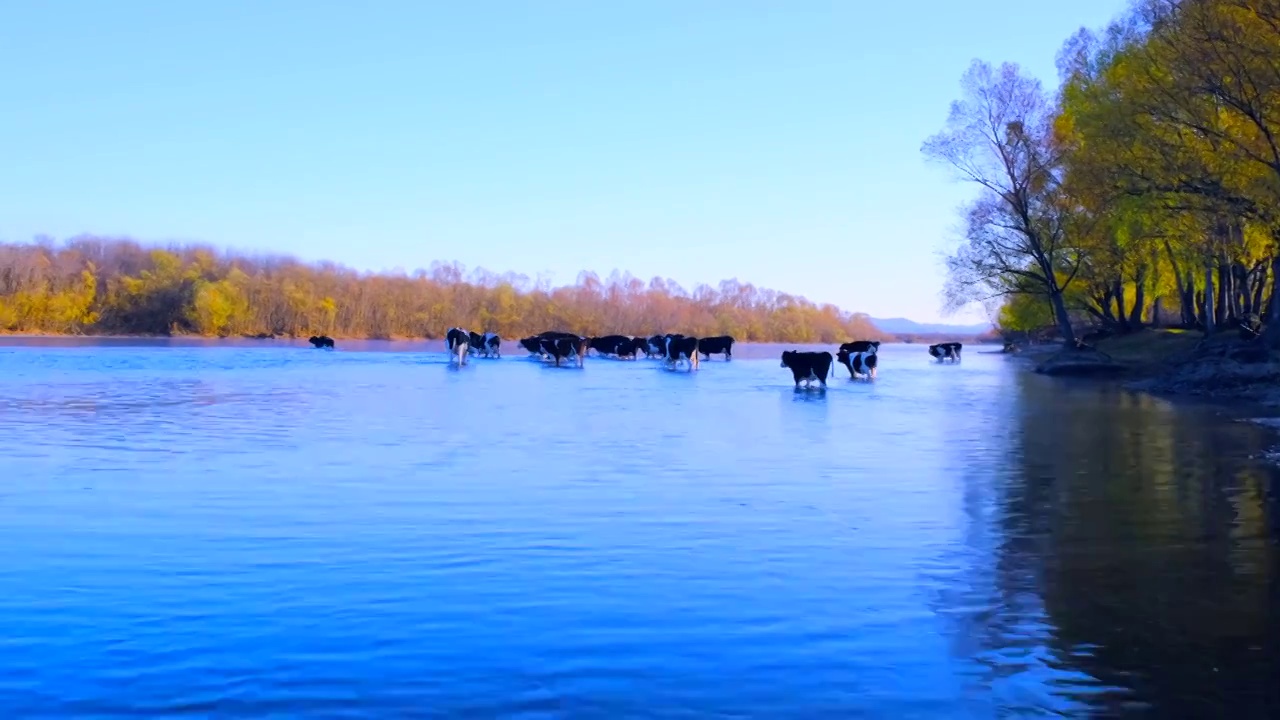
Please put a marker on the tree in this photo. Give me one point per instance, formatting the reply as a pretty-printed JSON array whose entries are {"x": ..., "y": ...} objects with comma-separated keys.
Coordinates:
[
  {"x": 999, "y": 135},
  {"x": 94, "y": 284}
]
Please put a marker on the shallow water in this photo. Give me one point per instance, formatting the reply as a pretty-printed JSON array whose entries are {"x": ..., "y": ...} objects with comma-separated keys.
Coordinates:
[{"x": 255, "y": 529}]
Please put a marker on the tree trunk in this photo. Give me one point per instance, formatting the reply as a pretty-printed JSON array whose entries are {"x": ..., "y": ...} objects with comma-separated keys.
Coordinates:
[
  {"x": 1272, "y": 333},
  {"x": 1209, "y": 316},
  {"x": 1186, "y": 292},
  {"x": 1223, "y": 301},
  {"x": 1259, "y": 287},
  {"x": 1240, "y": 284},
  {"x": 1063, "y": 319},
  {"x": 1139, "y": 298},
  {"x": 1118, "y": 291}
]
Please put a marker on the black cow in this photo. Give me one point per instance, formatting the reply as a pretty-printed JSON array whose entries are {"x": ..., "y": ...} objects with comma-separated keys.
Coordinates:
[
  {"x": 716, "y": 345},
  {"x": 679, "y": 347},
  {"x": 532, "y": 344},
  {"x": 491, "y": 345},
  {"x": 563, "y": 348},
  {"x": 322, "y": 341},
  {"x": 457, "y": 341},
  {"x": 946, "y": 351},
  {"x": 808, "y": 366}
]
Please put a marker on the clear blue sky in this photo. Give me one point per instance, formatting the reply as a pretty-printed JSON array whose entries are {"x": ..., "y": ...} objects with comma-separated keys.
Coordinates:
[{"x": 776, "y": 142}]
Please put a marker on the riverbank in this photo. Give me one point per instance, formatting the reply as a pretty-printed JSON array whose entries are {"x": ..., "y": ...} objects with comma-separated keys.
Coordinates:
[{"x": 1172, "y": 362}]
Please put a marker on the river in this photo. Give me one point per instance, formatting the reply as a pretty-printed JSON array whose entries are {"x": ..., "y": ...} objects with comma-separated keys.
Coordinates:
[{"x": 257, "y": 529}]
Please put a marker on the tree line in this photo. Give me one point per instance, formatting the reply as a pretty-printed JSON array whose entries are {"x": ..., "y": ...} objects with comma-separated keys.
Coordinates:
[
  {"x": 90, "y": 285},
  {"x": 1144, "y": 191}
]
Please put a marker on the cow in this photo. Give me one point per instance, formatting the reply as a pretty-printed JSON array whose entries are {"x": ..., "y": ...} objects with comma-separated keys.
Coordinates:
[
  {"x": 946, "y": 351},
  {"x": 869, "y": 362},
  {"x": 321, "y": 341},
  {"x": 475, "y": 342},
  {"x": 533, "y": 345},
  {"x": 609, "y": 344},
  {"x": 679, "y": 347},
  {"x": 861, "y": 346},
  {"x": 808, "y": 366},
  {"x": 852, "y": 361},
  {"x": 859, "y": 356},
  {"x": 627, "y": 348},
  {"x": 491, "y": 345},
  {"x": 457, "y": 341},
  {"x": 656, "y": 346},
  {"x": 716, "y": 345},
  {"x": 563, "y": 348}
]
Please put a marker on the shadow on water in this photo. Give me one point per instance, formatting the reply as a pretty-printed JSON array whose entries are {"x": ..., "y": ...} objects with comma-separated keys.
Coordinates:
[{"x": 1124, "y": 558}]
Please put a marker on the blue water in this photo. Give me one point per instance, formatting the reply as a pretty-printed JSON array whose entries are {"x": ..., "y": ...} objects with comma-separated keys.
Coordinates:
[{"x": 262, "y": 530}]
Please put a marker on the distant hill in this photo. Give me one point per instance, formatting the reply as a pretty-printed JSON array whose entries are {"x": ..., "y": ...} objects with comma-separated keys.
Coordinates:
[{"x": 903, "y": 326}]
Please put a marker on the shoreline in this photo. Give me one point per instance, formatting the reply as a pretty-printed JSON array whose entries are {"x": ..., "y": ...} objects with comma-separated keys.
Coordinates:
[
  {"x": 887, "y": 338},
  {"x": 1171, "y": 364}
]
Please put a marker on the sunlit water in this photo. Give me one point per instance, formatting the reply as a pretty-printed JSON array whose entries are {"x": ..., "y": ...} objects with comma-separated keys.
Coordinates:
[{"x": 255, "y": 530}]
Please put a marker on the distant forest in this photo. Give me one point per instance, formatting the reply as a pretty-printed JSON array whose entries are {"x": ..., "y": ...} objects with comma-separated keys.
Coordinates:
[{"x": 90, "y": 285}]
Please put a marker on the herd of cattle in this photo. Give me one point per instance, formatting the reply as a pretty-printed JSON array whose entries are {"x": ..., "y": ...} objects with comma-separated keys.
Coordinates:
[
  {"x": 858, "y": 357},
  {"x": 561, "y": 347}
]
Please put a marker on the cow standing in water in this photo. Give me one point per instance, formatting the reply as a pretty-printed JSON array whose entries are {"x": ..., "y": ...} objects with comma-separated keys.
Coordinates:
[
  {"x": 679, "y": 347},
  {"x": 859, "y": 357},
  {"x": 946, "y": 351},
  {"x": 321, "y": 341},
  {"x": 716, "y": 345},
  {"x": 808, "y": 366},
  {"x": 615, "y": 345},
  {"x": 564, "y": 346},
  {"x": 487, "y": 344},
  {"x": 457, "y": 341}
]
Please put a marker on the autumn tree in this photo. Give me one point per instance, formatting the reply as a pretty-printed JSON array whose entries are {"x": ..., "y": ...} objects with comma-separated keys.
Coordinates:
[{"x": 101, "y": 285}]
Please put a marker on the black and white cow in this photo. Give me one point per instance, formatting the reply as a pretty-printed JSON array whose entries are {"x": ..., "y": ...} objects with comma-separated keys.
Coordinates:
[
  {"x": 321, "y": 341},
  {"x": 532, "y": 344},
  {"x": 679, "y": 347},
  {"x": 491, "y": 345},
  {"x": 859, "y": 356},
  {"x": 946, "y": 351},
  {"x": 610, "y": 344},
  {"x": 716, "y": 345},
  {"x": 565, "y": 348},
  {"x": 852, "y": 361},
  {"x": 627, "y": 349},
  {"x": 457, "y": 341},
  {"x": 861, "y": 346},
  {"x": 808, "y": 366},
  {"x": 656, "y": 346}
]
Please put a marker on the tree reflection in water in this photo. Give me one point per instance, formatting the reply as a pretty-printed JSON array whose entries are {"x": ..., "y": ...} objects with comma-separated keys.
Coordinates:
[{"x": 1123, "y": 555}]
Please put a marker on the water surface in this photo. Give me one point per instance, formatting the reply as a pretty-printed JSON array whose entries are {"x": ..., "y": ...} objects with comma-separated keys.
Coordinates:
[{"x": 257, "y": 529}]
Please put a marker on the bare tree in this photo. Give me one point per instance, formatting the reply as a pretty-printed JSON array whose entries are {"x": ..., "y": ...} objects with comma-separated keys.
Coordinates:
[{"x": 999, "y": 135}]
